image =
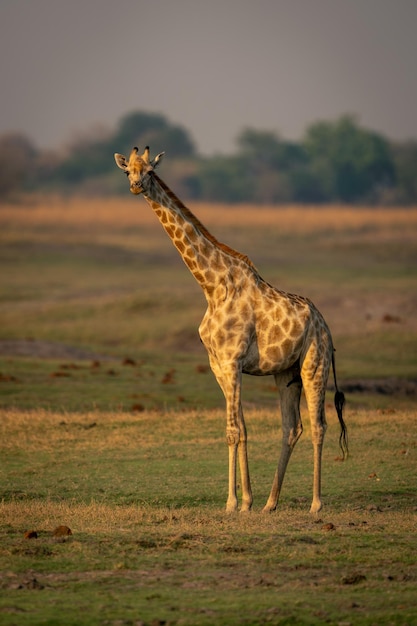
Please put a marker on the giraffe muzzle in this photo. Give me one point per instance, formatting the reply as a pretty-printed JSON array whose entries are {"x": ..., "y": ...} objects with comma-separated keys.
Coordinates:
[{"x": 136, "y": 188}]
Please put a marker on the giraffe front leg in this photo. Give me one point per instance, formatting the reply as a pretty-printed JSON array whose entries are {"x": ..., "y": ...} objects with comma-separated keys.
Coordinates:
[
  {"x": 237, "y": 442},
  {"x": 229, "y": 377},
  {"x": 232, "y": 436}
]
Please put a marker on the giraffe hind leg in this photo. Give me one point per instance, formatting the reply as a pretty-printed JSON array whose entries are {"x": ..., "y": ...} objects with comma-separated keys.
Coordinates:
[
  {"x": 315, "y": 396},
  {"x": 289, "y": 386}
]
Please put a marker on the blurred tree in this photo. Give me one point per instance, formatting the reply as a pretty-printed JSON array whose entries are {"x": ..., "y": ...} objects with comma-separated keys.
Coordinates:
[
  {"x": 266, "y": 150},
  {"x": 268, "y": 165},
  {"x": 17, "y": 163},
  {"x": 87, "y": 155},
  {"x": 306, "y": 185},
  {"x": 335, "y": 161},
  {"x": 152, "y": 129},
  {"x": 351, "y": 163},
  {"x": 222, "y": 179},
  {"x": 405, "y": 159}
]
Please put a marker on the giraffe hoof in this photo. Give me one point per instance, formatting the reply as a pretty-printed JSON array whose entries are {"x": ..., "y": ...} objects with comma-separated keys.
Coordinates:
[
  {"x": 315, "y": 508},
  {"x": 269, "y": 509}
]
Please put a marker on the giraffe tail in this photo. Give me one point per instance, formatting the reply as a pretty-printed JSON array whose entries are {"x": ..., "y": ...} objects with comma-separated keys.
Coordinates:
[{"x": 339, "y": 402}]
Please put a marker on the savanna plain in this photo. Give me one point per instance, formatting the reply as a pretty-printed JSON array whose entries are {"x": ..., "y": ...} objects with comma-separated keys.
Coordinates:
[{"x": 113, "y": 476}]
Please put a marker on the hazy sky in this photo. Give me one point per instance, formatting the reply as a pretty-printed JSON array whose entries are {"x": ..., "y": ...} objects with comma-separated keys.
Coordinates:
[{"x": 213, "y": 67}]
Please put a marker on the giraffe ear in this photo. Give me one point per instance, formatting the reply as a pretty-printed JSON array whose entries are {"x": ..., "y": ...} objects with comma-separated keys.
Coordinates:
[
  {"x": 157, "y": 159},
  {"x": 120, "y": 161}
]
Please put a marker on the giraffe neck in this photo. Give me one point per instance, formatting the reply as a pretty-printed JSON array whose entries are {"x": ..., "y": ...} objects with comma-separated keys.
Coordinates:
[{"x": 210, "y": 261}]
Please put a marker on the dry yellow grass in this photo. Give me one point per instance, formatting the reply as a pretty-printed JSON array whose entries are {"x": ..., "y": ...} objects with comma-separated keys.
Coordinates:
[
  {"x": 128, "y": 212},
  {"x": 91, "y": 517},
  {"x": 43, "y": 430}
]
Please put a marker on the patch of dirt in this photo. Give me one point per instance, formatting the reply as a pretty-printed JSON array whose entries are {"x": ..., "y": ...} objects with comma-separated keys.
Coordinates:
[
  {"x": 52, "y": 350},
  {"x": 382, "y": 386},
  {"x": 46, "y": 350}
]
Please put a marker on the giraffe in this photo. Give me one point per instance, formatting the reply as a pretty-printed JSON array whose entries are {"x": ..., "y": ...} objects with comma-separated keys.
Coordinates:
[{"x": 249, "y": 327}]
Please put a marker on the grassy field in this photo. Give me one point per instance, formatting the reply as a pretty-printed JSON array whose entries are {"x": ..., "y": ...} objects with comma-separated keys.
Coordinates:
[
  {"x": 112, "y": 424},
  {"x": 143, "y": 496}
]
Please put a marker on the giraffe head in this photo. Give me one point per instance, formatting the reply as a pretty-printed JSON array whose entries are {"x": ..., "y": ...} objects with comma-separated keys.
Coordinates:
[{"x": 138, "y": 168}]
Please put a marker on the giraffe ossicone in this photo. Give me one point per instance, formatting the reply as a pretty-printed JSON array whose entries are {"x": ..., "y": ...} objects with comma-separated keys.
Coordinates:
[{"x": 250, "y": 327}]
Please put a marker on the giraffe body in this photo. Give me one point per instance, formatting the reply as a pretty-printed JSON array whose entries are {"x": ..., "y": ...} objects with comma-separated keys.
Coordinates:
[{"x": 249, "y": 328}]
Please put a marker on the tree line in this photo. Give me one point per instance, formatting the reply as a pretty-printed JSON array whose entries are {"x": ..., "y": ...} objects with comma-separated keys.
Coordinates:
[{"x": 335, "y": 161}]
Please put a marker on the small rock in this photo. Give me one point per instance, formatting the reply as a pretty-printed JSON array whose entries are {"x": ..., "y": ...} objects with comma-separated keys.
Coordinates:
[
  {"x": 31, "y": 534},
  {"x": 169, "y": 377},
  {"x": 129, "y": 361},
  {"x": 62, "y": 531},
  {"x": 391, "y": 319},
  {"x": 28, "y": 583},
  {"x": 373, "y": 507},
  {"x": 353, "y": 579}
]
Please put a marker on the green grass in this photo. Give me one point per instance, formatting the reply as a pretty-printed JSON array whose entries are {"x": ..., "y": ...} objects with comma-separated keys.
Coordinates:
[
  {"x": 144, "y": 496},
  {"x": 391, "y": 352}
]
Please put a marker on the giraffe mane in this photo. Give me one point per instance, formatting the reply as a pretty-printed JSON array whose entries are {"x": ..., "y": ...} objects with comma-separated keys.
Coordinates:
[{"x": 200, "y": 227}]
